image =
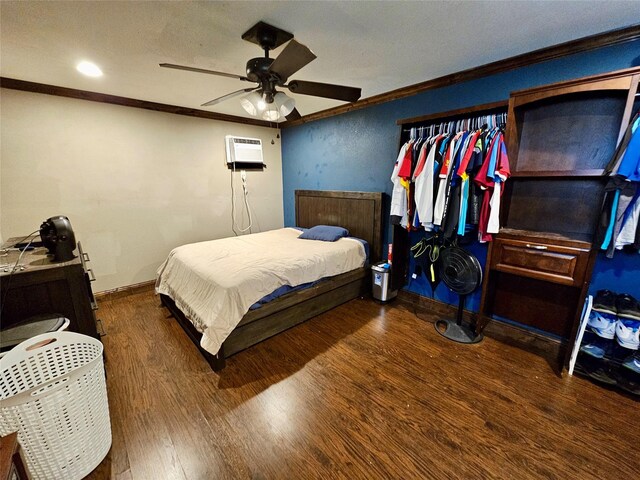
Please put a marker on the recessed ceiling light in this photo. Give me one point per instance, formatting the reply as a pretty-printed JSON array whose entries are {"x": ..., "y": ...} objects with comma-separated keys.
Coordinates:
[{"x": 89, "y": 69}]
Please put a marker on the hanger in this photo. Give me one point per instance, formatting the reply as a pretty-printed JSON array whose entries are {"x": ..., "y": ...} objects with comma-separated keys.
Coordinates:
[{"x": 419, "y": 134}]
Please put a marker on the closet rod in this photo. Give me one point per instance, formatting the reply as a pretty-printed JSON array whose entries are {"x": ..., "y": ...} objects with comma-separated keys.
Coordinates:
[
  {"x": 461, "y": 123},
  {"x": 468, "y": 111}
]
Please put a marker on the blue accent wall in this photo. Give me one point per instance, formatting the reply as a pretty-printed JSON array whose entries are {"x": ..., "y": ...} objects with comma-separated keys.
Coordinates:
[{"x": 357, "y": 150}]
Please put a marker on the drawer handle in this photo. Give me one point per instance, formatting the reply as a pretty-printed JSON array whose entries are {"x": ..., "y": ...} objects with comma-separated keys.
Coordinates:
[
  {"x": 536, "y": 247},
  {"x": 85, "y": 257},
  {"x": 92, "y": 277}
]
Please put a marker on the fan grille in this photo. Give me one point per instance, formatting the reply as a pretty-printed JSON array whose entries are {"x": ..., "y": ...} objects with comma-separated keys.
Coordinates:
[{"x": 460, "y": 270}]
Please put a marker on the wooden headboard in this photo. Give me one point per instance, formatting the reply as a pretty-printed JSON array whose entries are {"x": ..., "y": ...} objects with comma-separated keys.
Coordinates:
[{"x": 358, "y": 212}]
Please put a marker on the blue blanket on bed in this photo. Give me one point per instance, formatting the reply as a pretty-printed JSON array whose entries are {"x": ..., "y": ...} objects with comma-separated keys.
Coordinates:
[{"x": 288, "y": 288}]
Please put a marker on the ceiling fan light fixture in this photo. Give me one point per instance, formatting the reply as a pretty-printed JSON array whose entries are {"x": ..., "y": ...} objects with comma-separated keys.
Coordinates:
[
  {"x": 271, "y": 113},
  {"x": 258, "y": 105},
  {"x": 251, "y": 103},
  {"x": 284, "y": 103}
]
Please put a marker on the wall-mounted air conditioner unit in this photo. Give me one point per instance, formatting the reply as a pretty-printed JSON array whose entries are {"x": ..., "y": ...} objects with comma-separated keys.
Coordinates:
[{"x": 244, "y": 152}]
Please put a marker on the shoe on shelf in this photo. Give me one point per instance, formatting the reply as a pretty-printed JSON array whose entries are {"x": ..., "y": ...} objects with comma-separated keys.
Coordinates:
[
  {"x": 597, "y": 369},
  {"x": 605, "y": 301},
  {"x": 628, "y": 377},
  {"x": 627, "y": 306},
  {"x": 593, "y": 349},
  {"x": 628, "y": 333},
  {"x": 603, "y": 324},
  {"x": 630, "y": 385},
  {"x": 632, "y": 363}
]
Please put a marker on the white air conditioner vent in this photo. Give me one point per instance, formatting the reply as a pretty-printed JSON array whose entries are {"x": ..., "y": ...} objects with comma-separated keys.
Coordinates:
[{"x": 242, "y": 151}]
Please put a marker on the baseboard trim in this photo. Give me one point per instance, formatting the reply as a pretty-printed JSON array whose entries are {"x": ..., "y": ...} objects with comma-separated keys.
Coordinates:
[
  {"x": 550, "y": 348},
  {"x": 120, "y": 292}
]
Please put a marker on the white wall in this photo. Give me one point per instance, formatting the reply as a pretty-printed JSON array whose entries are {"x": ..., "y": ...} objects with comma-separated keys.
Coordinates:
[{"x": 134, "y": 183}]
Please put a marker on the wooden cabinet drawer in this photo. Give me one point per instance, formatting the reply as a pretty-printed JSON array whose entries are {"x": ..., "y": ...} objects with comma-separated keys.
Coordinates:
[{"x": 544, "y": 261}]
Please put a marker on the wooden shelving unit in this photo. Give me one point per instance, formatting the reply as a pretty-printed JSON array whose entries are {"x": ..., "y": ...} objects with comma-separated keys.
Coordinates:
[{"x": 560, "y": 138}]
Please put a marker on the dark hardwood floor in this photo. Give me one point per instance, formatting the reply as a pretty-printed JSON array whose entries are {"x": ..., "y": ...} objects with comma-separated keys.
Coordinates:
[{"x": 363, "y": 391}]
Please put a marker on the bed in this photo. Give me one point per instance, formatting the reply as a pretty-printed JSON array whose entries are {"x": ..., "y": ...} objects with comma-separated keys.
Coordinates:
[{"x": 358, "y": 212}]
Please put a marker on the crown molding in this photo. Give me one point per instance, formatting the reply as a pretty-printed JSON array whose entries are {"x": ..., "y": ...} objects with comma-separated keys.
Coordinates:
[
  {"x": 44, "y": 88},
  {"x": 572, "y": 47},
  {"x": 612, "y": 37}
]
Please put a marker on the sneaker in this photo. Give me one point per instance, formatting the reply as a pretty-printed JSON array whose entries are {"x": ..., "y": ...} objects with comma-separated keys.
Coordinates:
[
  {"x": 603, "y": 324},
  {"x": 628, "y": 333},
  {"x": 632, "y": 363},
  {"x": 628, "y": 377},
  {"x": 629, "y": 383},
  {"x": 627, "y": 306},
  {"x": 597, "y": 369},
  {"x": 605, "y": 301},
  {"x": 593, "y": 349}
]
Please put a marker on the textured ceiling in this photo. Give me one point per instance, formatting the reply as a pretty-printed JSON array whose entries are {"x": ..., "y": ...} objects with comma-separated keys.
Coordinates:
[{"x": 376, "y": 45}]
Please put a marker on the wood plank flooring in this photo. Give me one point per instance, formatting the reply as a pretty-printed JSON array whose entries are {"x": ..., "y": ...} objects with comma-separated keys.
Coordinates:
[{"x": 363, "y": 391}]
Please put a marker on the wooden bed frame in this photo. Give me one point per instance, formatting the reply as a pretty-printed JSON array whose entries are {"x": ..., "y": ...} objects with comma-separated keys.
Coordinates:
[{"x": 361, "y": 214}]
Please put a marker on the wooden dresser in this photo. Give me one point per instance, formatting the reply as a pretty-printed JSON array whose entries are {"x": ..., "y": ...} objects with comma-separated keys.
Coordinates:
[
  {"x": 41, "y": 286},
  {"x": 560, "y": 138}
]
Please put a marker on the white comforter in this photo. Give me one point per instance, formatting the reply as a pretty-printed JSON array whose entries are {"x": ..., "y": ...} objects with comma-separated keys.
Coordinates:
[{"x": 215, "y": 283}]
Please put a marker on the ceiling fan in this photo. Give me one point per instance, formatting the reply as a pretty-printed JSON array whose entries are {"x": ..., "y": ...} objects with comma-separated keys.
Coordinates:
[{"x": 265, "y": 100}]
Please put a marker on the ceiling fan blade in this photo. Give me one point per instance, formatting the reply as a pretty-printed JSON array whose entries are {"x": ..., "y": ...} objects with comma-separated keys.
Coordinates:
[
  {"x": 202, "y": 70},
  {"x": 326, "y": 90},
  {"x": 294, "y": 115},
  {"x": 228, "y": 96},
  {"x": 291, "y": 59}
]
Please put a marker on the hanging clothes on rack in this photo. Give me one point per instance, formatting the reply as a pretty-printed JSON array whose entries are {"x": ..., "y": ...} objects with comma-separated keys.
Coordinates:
[
  {"x": 465, "y": 172},
  {"x": 433, "y": 177},
  {"x": 398, "y": 195},
  {"x": 491, "y": 177},
  {"x": 424, "y": 178},
  {"x": 620, "y": 218}
]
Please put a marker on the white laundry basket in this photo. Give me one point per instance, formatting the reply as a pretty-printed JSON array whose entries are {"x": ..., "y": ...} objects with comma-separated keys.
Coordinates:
[{"x": 53, "y": 393}]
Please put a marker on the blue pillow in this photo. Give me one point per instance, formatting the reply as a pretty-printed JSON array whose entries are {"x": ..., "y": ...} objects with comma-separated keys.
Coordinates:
[{"x": 325, "y": 233}]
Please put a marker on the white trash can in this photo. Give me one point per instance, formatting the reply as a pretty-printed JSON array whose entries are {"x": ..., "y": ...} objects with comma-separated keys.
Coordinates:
[
  {"x": 53, "y": 393},
  {"x": 381, "y": 282}
]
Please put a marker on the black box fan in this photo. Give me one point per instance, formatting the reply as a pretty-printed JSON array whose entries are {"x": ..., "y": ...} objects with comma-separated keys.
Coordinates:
[
  {"x": 58, "y": 238},
  {"x": 462, "y": 273}
]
